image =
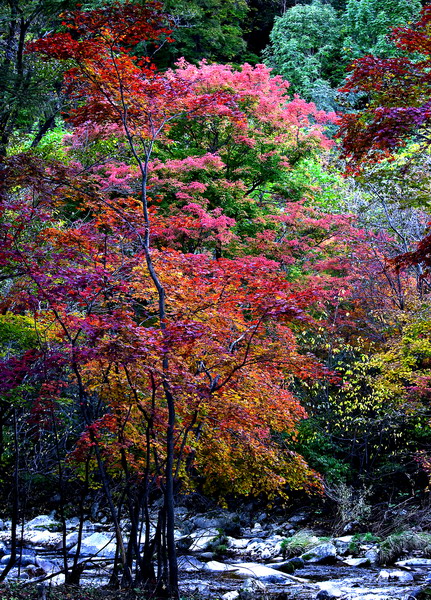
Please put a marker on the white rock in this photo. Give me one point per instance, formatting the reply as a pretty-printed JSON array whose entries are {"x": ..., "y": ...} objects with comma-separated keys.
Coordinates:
[
  {"x": 202, "y": 539},
  {"x": 217, "y": 567},
  {"x": 344, "y": 538},
  {"x": 42, "y": 538},
  {"x": 400, "y": 576},
  {"x": 414, "y": 562},
  {"x": 190, "y": 563},
  {"x": 237, "y": 544},
  {"x": 357, "y": 562},
  {"x": 266, "y": 553},
  {"x": 257, "y": 571},
  {"x": 98, "y": 544},
  {"x": 41, "y": 522},
  {"x": 384, "y": 575},
  {"x": 230, "y": 595},
  {"x": 332, "y": 591}
]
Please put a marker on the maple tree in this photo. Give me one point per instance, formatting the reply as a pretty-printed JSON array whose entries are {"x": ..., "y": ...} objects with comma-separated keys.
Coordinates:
[
  {"x": 397, "y": 94},
  {"x": 124, "y": 255}
]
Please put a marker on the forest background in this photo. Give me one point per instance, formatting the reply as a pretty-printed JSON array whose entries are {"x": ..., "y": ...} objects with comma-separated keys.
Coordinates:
[{"x": 214, "y": 259}]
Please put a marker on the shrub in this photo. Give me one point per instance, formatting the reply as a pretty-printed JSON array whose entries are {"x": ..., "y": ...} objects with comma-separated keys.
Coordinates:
[
  {"x": 298, "y": 543},
  {"x": 397, "y": 544}
]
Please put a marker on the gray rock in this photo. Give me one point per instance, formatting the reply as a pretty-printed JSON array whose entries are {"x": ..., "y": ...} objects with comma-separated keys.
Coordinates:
[
  {"x": 298, "y": 518},
  {"x": 23, "y": 561},
  {"x": 323, "y": 553},
  {"x": 47, "y": 565},
  {"x": 252, "y": 589}
]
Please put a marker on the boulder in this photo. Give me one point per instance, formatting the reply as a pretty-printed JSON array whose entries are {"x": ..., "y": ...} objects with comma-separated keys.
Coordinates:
[
  {"x": 97, "y": 544},
  {"x": 414, "y": 562},
  {"x": 328, "y": 591},
  {"x": 261, "y": 572},
  {"x": 399, "y": 576},
  {"x": 357, "y": 562},
  {"x": 288, "y": 566},
  {"x": 217, "y": 567},
  {"x": 373, "y": 557},
  {"x": 323, "y": 553},
  {"x": 252, "y": 589},
  {"x": 43, "y": 522},
  {"x": 202, "y": 540},
  {"x": 237, "y": 544},
  {"x": 71, "y": 540},
  {"x": 45, "y": 538},
  {"x": 230, "y": 595},
  {"x": 190, "y": 563}
]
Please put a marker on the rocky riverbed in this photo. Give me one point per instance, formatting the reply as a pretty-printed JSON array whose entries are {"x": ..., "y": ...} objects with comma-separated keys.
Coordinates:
[{"x": 220, "y": 557}]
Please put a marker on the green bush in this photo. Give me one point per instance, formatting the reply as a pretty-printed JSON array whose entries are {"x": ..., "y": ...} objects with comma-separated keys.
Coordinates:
[{"x": 398, "y": 544}]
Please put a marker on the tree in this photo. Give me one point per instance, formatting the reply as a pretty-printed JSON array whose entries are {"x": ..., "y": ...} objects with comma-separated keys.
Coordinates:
[
  {"x": 159, "y": 335},
  {"x": 397, "y": 92},
  {"x": 30, "y": 97},
  {"x": 305, "y": 47},
  {"x": 368, "y": 23}
]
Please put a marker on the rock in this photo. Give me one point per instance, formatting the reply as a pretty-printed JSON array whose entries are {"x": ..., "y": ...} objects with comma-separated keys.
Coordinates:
[
  {"x": 265, "y": 554},
  {"x": 323, "y": 553},
  {"x": 72, "y": 523},
  {"x": 2, "y": 526},
  {"x": 217, "y": 567},
  {"x": 71, "y": 540},
  {"x": 47, "y": 565},
  {"x": 44, "y": 538},
  {"x": 251, "y": 589},
  {"x": 237, "y": 544},
  {"x": 190, "y": 563},
  {"x": 373, "y": 557},
  {"x": 2, "y": 549},
  {"x": 203, "y": 590},
  {"x": 357, "y": 562},
  {"x": 202, "y": 540},
  {"x": 298, "y": 519},
  {"x": 400, "y": 576},
  {"x": 43, "y": 522},
  {"x": 97, "y": 544},
  {"x": 328, "y": 591},
  {"x": 289, "y": 566},
  {"x": 261, "y": 572},
  {"x": 24, "y": 560},
  {"x": 230, "y": 595},
  {"x": 414, "y": 562}
]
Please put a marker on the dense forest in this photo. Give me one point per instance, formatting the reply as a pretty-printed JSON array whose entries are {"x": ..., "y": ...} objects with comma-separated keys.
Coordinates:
[{"x": 214, "y": 265}]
